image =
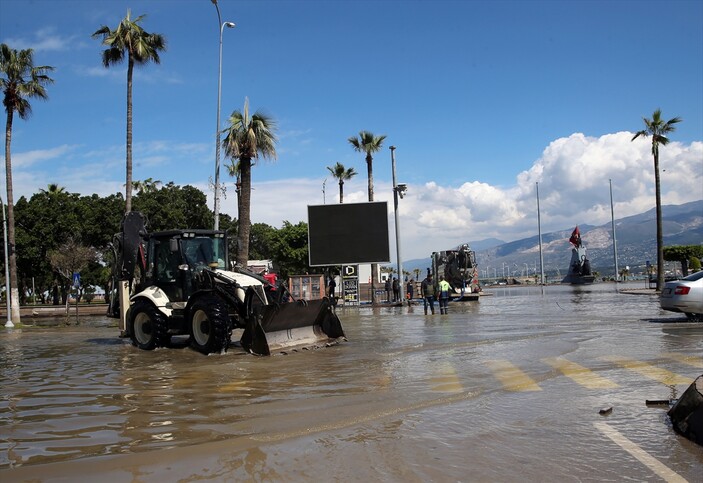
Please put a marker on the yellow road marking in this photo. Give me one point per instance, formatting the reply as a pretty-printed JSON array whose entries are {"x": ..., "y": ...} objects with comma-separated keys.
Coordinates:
[
  {"x": 579, "y": 374},
  {"x": 647, "y": 370},
  {"x": 689, "y": 360},
  {"x": 642, "y": 456},
  {"x": 446, "y": 380},
  {"x": 513, "y": 379}
]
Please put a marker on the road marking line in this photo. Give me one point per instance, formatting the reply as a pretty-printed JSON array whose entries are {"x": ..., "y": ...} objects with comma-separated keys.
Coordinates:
[
  {"x": 645, "y": 458},
  {"x": 647, "y": 370},
  {"x": 446, "y": 380},
  {"x": 688, "y": 360},
  {"x": 513, "y": 379},
  {"x": 579, "y": 374}
]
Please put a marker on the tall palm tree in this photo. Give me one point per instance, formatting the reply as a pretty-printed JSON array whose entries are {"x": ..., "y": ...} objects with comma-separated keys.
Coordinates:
[
  {"x": 247, "y": 138},
  {"x": 21, "y": 80},
  {"x": 369, "y": 144},
  {"x": 342, "y": 174},
  {"x": 140, "y": 47},
  {"x": 658, "y": 129}
]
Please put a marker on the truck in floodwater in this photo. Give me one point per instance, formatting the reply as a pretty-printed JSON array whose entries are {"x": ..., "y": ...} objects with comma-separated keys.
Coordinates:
[{"x": 458, "y": 267}]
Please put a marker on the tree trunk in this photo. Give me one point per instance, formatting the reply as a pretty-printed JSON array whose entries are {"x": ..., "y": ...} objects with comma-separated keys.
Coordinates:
[
  {"x": 660, "y": 234},
  {"x": 128, "y": 183},
  {"x": 341, "y": 190},
  {"x": 244, "y": 213},
  {"x": 11, "y": 285},
  {"x": 374, "y": 266}
]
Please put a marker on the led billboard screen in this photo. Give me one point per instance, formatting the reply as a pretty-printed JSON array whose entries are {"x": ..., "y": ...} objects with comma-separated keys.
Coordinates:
[{"x": 348, "y": 233}]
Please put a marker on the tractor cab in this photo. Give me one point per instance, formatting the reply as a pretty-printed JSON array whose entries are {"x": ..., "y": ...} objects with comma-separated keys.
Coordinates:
[{"x": 175, "y": 257}]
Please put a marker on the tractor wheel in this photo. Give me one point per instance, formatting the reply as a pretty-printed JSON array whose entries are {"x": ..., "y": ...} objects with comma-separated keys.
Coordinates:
[
  {"x": 209, "y": 325},
  {"x": 148, "y": 328}
]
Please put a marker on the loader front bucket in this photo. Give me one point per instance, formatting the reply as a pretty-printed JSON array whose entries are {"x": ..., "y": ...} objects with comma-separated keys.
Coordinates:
[{"x": 301, "y": 324}]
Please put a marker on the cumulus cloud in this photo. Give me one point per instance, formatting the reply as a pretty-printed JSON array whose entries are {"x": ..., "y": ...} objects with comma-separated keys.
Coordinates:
[{"x": 572, "y": 173}]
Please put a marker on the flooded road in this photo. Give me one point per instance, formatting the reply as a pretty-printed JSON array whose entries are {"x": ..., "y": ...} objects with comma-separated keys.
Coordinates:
[{"x": 507, "y": 388}]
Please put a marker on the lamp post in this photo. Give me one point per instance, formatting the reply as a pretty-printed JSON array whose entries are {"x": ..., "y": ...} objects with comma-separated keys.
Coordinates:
[
  {"x": 216, "y": 207},
  {"x": 612, "y": 224},
  {"x": 9, "y": 323},
  {"x": 539, "y": 230},
  {"x": 398, "y": 191}
]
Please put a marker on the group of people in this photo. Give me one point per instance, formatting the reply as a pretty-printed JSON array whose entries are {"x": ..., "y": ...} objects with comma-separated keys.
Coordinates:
[
  {"x": 432, "y": 291},
  {"x": 392, "y": 290}
]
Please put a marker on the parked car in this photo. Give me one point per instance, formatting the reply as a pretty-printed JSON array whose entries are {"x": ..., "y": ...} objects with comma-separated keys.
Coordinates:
[{"x": 685, "y": 295}]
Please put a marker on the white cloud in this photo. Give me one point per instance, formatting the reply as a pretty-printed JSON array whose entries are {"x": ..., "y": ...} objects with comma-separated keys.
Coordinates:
[{"x": 573, "y": 176}]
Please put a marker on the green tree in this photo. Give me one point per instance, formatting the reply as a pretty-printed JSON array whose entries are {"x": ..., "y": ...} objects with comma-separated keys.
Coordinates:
[
  {"x": 658, "y": 129},
  {"x": 290, "y": 249},
  {"x": 247, "y": 139},
  {"x": 69, "y": 258},
  {"x": 44, "y": 222},
  {"x": 174, "y": 207},
  {"x": 21, "y": 81},
  {"x": 140, "y": 47},
  {"x": 342, "y": 174},
  {"x": 683, "y": 254},
  {"x": 368, "y": 143},
  {"x": 261, "y": 241}
]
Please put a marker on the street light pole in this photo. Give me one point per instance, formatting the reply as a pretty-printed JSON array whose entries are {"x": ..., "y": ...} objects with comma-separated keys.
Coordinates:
[
  {"x": 397, "y": 191},
  {"x": 9, "y": 323},
  {"x": 539, "y": 230},
  {"x": 612, "y": 224},
  {"x": 216, "y": 207}
]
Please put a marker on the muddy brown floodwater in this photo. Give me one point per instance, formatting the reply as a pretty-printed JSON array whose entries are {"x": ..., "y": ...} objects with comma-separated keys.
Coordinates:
[{"x": 505, "y": 389}]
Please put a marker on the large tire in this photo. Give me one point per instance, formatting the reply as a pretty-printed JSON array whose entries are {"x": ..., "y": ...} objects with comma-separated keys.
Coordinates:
[
  {"x": 148, "y": 327},
  {"x": 209, "y": 325}
]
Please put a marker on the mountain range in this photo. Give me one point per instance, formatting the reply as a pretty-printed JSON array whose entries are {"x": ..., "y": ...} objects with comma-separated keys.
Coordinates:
[{"x": 635, "y": 238}]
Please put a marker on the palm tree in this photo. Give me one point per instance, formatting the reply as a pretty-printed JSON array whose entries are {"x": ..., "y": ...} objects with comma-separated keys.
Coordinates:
[
  {"x": 342, "y": 174},
  {"x": 247, "y": 138},
  {"x": 658, "y": 129},
  {"x": 369, "y": 144},
  {"x": 53, "y": 189},
  {"x": 149, "y": 185},
  {"x": 140, "y": 47},
  {"x": 21, "y": 81}
]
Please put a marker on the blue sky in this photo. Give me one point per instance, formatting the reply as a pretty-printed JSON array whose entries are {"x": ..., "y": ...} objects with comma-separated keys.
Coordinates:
[{"x": 481, "y": 99}]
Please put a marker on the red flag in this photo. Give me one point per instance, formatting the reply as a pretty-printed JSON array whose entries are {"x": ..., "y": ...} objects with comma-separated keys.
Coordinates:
[{"x": 575, "y": 237}]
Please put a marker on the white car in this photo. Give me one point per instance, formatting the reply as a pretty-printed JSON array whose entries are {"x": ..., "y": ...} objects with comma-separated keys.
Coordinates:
[{"x": 685, "y": 295}]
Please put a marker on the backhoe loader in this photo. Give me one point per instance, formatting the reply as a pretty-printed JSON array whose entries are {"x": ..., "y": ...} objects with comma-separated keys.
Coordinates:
[{"x": 180, "y": 282}]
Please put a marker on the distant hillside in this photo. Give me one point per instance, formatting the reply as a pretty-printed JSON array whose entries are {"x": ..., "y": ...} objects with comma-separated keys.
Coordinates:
[{"x": 635, "y": 236}]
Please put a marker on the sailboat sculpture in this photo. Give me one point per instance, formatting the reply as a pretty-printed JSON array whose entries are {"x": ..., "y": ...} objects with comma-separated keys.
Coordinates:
[{"x": 580, "y": 267}]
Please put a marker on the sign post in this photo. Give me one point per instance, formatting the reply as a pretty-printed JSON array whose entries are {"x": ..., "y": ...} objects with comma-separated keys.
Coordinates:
[
  {"x": 76, "y": 286},
  {"x": 350, "y": 284}
]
